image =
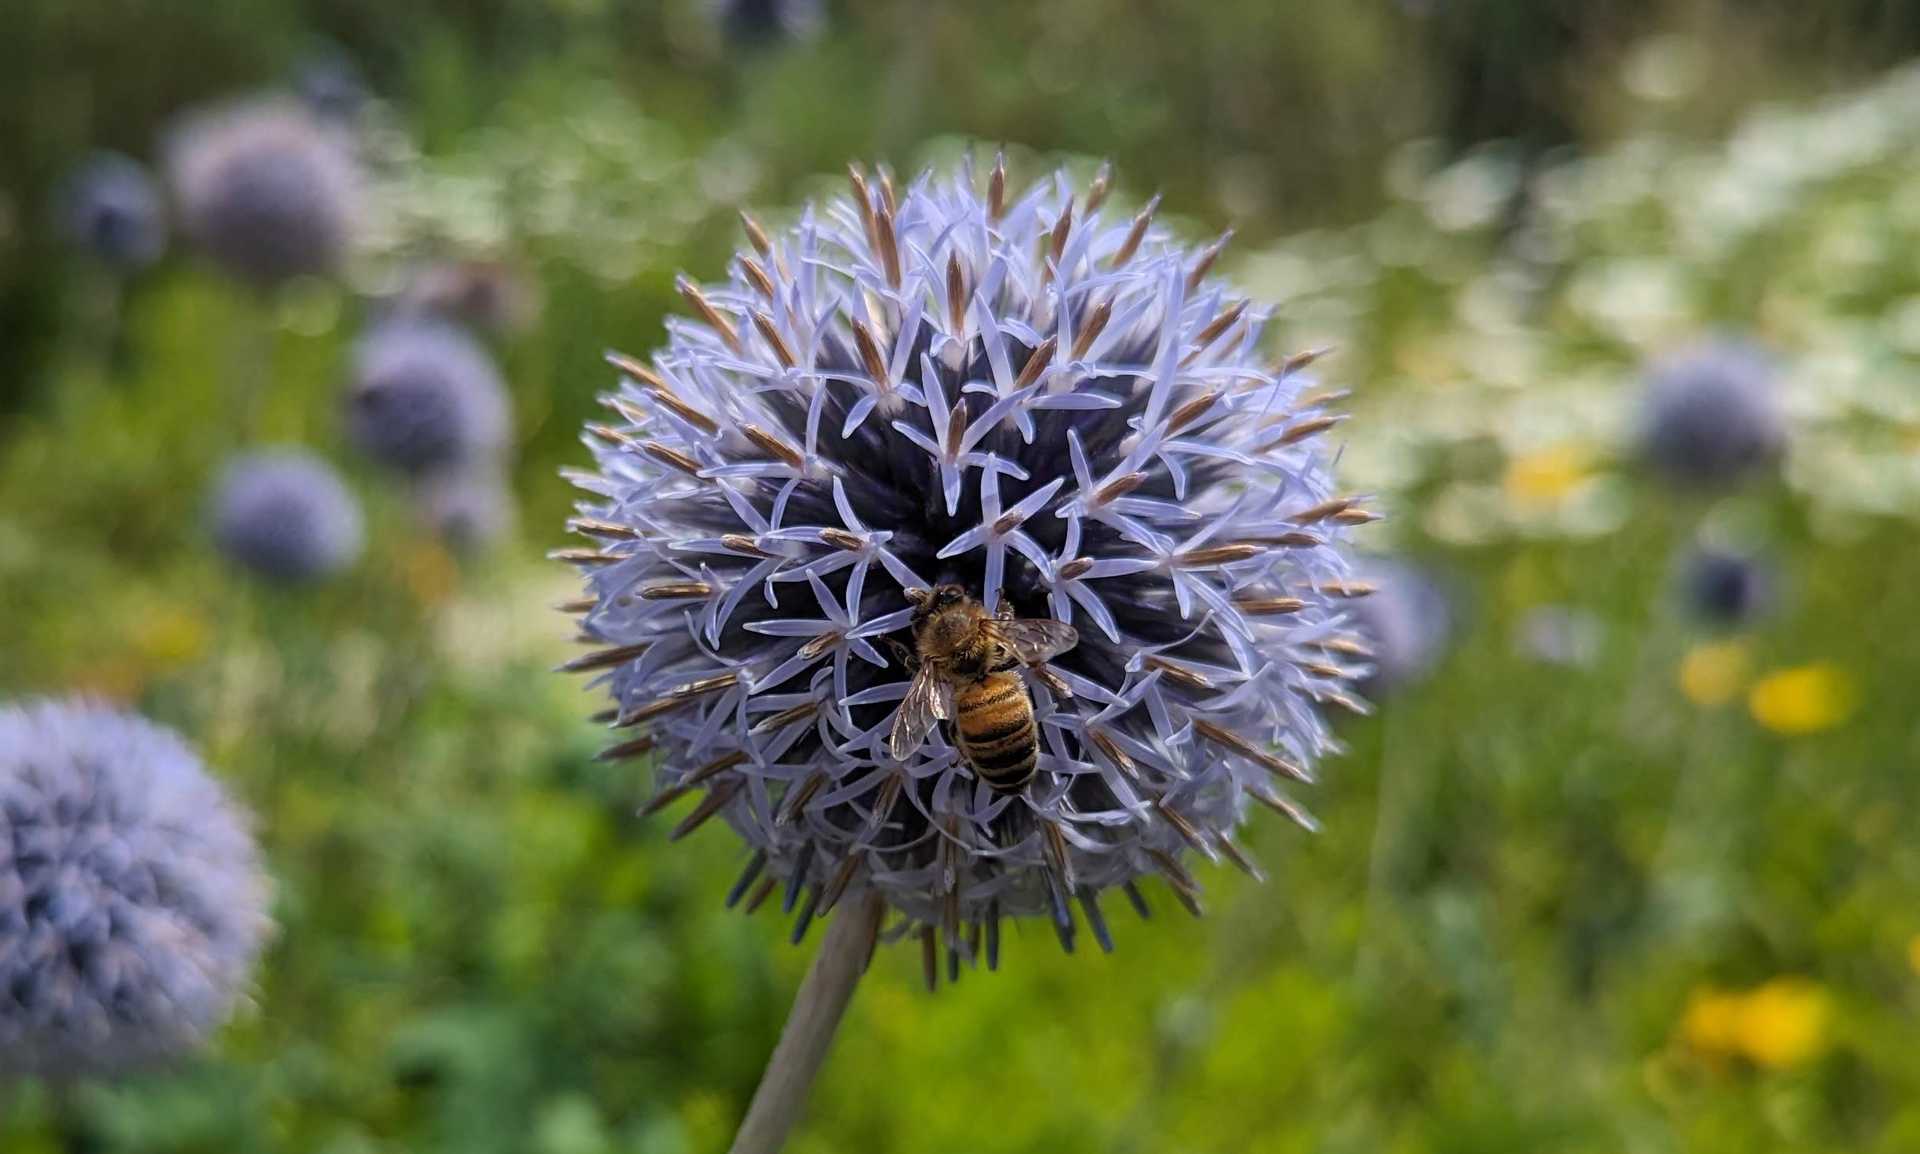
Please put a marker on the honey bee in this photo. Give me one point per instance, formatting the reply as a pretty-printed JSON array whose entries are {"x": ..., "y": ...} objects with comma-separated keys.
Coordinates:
[{"x": 965, "y": 663}]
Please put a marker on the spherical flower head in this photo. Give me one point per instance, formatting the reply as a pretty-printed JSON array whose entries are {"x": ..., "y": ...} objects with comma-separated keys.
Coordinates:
[
  {"x": 266, "y": 189},
  {"x": 425, "y": 396},
  {"x": 1016, "y": 394},
  {"x": 132, "y": 903},
  {"x": 1724, "y": 587},
  {"x": 1404, "y": 623},
  {"x": 286, "y": 517},
  {"x": 468, "y": 509},
  {"x": 111, "y": 208},
  {"x": 1711, "y": 416}
]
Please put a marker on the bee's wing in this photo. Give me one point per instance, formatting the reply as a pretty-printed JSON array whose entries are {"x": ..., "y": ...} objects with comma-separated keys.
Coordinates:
[
  {"x": 1033, "y": 640},
  {"x": 929, "y": 699}
]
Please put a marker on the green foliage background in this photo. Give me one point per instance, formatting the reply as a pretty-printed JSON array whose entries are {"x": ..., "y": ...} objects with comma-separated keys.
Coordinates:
[{"x": 1527, "y": 870}]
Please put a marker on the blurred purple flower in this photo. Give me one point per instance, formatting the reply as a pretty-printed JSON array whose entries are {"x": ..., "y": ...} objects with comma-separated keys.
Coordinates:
[
  {"x": 267, "y": 190},
  {"x": 132, "y": 902},
  {"x": 426, "y": 396},
  {"x": 111, "y": 207},
  {"x": 285, "y": 516},
  {"x": 1710, "y": 415}
]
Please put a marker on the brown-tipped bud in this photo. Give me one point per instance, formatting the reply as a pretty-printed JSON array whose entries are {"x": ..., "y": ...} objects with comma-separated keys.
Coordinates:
[
  {"x": 1272, "y": 763},
  {"x": 1191, "y": 411},
  {"x": 774, "y": 447},
  {"x": 1301, "y": 360},
  {"x": 1118, "y": 487},
  {"x": 698, "y": 301},
  {"x": 889, "y": 246},
  {"x": 1348, "y": 588},
  {"x": 1075, "y": 568},
  {"x": 1269, "y": 606},
  {"x": 671, "y": 457},
  {"x": 782, "y": 352},
  {"x": 841, "y": 539},
  {"x": 1204, "y": 265},
  {"x": 956, "y": 295},
  {"x": 1322, "y": 511},
  {"x": 1311, "y": 427},
  {"x": 862, "y": 200},
  {"x": 1355, "y": 517},
  {"x": 716, "y": 800},
  {"x": 1104, "y": 742},
  {"x": 618, "y": 438},
  {"x": 626, "y": 749},
  {"x": 583, "y": 556},
  {"x": 1180, "y": 825},
  {"x": 1092, "y": 327},
  {"x": 679, "y": 408},
  {"x": 577, "y": 605},
  {"x": 603, "y": 528},
  {"x": 1037, "y": 362},
  {"x": 797, "y": 798},
  {"x": 756, "y": 236},
  {"x": 997, "y": 189},
  {"x": 1218, "y": 555},
  {"x": 677, "y": 591},
  {"x": 633, "y": 414},
  {"x": 1135, "y": 235},
  {"x": 604, "y": 659},
  {"x": 635, "y": 368},
  {"x": 1057, "y": 243},
  {"x": 870, "y": 357},
  {"x": 1215, "y": 327},
  {"x": 1101, "y": 185},
  {"x": 1179, "y": 674},
  {"x": 756, "y": 275},
  {"x": 786, "y": 717}
]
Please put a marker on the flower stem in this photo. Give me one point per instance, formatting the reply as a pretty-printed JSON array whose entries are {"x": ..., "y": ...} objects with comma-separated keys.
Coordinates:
[{"x": 816, "y": 1012}]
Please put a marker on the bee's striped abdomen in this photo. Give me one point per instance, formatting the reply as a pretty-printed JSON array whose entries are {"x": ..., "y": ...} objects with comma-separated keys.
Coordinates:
[{"x": 993, "y": 719}]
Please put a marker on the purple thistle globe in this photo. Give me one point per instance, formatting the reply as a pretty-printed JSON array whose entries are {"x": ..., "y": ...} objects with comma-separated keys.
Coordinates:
[
  {"x": 111, "y": 207},
  {"x": 1711, "y": 415},
  {"x": 285, "y": 516},
  {"x": 266, "y": 189},
  {"x": 132, "y": 902},
  {"x": 425, "y": 396},
  {"x": 1028, "y": 396}
]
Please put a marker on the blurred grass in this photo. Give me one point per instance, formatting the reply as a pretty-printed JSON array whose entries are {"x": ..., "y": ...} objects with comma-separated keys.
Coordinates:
[{"x": 1529, "y": 871}]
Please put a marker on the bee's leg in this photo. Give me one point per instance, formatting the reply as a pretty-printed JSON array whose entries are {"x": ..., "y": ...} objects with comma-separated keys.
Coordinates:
[{"x": 909, "y": 660}]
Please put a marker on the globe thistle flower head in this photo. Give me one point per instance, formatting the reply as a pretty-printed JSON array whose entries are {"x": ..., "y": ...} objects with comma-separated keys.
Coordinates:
[
  {"x": 132, "y": 903},
  {"x": 267, "y": 190},
  {"x": 1710, "y": 416},
  {"x": 286, "y": 517},
  {"x": 469, "y": 509},
  {"x": 110, "y": 207},
  {"x": 425, "y": 396},
  {"x": 1405, "y": 624},
  {"x": 1029, "y": 396},
  {"x": 1724, "y": 587}
]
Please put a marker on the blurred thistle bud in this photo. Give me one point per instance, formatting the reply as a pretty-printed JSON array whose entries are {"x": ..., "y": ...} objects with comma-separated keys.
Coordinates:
[
  {"x": 426, "y": 397},
  {"x": 1560, "y": 635},
  {"x": 1029, "y": 396},
  {"x": 751, "y": 23},
  {"x": 1405, "y": 624},
  {"x": 266, "y": 189},
  {"x": 1724, "y": 587},
  {"x": 1710, "y": 415},
  {"x": 469, "y": 509},
  {"x": 132, "y": 902},
  {"x": 331, "y": 87},
  {"x": 285, "y": 516},
  {"x": 111, "y": 208},
  {"x": 489, "y": 295}
]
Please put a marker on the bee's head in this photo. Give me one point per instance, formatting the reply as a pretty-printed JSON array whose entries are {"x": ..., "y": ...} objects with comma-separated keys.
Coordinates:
[{"x": 927, "y": 602}]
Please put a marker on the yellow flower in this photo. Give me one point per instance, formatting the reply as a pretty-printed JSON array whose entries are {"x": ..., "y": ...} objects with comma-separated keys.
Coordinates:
[
  {"x": 1545, "y": 476},
  {"x": 1784, "y": 1023},
  {"x": 171, "y": 637},
  {"x": 1711, "y": 1023},
  {"x": 1712, "y": 673},
  {"x": 1805, "y": 699}
]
